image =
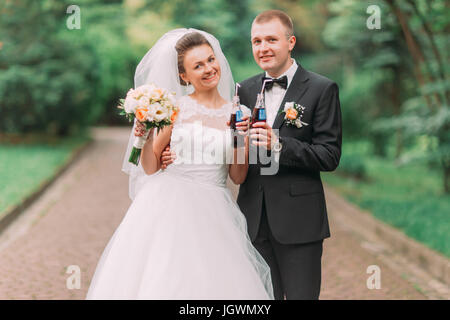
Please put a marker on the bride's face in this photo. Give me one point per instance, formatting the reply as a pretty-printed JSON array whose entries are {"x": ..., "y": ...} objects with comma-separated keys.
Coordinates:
[{"x": 202, "y": 68}]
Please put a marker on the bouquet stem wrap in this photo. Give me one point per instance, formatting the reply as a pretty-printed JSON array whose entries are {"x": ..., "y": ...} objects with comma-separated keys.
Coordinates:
[{"x": 138, "y": 144}]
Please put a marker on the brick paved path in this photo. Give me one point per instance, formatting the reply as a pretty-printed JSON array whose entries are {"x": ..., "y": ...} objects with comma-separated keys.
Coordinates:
[{"x": 72, "y": 222}]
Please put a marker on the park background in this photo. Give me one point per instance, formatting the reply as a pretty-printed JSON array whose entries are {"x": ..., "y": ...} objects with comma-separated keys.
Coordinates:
[{"x": 57, "y": 82}]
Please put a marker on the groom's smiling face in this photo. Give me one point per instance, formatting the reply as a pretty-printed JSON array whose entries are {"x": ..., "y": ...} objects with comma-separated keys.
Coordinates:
[{"x": 271, "y": 46}]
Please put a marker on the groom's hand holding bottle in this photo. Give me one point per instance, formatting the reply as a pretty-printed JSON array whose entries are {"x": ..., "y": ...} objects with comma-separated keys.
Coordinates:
[{"x": 261, "y": 134}]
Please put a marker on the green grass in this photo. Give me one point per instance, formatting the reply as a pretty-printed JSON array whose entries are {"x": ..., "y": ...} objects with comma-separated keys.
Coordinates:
[
  {"x": 25, "y": 166},
  {"x": 409, "y": 197}
]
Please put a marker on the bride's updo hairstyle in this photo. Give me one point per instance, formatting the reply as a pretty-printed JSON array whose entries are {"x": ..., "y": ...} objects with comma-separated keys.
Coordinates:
[{"x": 186, "y": 43}]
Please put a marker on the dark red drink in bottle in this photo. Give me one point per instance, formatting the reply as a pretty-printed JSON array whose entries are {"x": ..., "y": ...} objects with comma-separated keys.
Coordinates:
[
  {"x": 259, "y": 111},
  {"x": 236, "y": 117}
]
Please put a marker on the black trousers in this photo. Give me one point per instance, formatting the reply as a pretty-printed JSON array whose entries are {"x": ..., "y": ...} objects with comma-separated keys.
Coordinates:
[{"x": 295, "y": 268}]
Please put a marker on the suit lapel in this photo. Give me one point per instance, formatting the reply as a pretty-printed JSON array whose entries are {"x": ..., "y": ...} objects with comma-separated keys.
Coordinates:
[{"x": 296, "y": 90}]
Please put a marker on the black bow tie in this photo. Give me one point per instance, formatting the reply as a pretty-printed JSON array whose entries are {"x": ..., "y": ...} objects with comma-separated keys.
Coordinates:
[{"x": 283, "y": 81}]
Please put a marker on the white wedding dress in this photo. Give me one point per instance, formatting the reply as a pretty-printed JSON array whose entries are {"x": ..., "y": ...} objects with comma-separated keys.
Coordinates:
[{"x": 184, "y": 237}]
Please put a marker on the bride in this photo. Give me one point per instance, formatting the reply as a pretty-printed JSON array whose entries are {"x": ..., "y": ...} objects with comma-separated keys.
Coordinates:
[{"x": 183, "y": 236}]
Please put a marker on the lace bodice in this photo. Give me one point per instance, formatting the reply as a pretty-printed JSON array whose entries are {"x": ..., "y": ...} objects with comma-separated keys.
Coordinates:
[{"x": 202, "y": 142}]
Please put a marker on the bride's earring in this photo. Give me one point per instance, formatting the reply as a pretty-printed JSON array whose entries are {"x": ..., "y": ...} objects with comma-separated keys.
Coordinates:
[{"x": 187, "y": 83}]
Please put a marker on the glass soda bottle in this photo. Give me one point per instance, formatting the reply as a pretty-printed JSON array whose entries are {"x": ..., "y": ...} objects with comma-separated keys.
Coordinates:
[
  {"x": 259, "y": 111},
  {"x": 236, "y": 117}
]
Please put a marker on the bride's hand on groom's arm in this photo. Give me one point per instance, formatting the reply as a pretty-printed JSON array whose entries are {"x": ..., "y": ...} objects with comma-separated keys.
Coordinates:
[{"x": 167, "y": 157}]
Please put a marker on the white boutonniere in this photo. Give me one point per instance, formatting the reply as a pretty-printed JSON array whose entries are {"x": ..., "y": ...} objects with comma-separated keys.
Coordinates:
[{"x": 293, "y": 114}]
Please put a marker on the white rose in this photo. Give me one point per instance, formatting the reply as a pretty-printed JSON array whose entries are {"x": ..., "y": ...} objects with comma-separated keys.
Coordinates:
[
  {"x": 136, "y": 93},
  {"x": 150, "y": 117},
  {"x": 160, "y": 113},
  {"x": 130, "y": 92},
  {"x": 152, "y": 110},
  {"x": 288, "y": 105},
  {"x": 146, "y": 88},
  {"x": 144, "y": 101},
  {"x": 130, "y": 105}
]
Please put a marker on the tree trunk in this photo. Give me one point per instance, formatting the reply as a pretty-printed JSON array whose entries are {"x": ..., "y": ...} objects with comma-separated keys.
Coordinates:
[
  {"x": 396, "y": 103},
  {"x": 413, "y": 48},
  {"x": 447, "y": 179},
  {"x": 434, "y": 47},
  {"x": 379, "y": 142}
]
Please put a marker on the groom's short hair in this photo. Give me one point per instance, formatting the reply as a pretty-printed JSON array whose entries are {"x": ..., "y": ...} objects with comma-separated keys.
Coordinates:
[{"x": 285, "y": 20}]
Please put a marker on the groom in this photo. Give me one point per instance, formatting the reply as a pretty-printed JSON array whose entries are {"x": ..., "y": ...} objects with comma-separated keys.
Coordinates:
[{"x": 286, "y": 212}]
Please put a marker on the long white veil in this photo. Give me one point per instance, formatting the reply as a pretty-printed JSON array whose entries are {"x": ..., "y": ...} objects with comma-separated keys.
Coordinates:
[{"x": 160, "y": 66}]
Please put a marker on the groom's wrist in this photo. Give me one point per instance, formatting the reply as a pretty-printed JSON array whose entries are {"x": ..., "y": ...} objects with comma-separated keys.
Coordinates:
[{"x": 277, "y": 145}]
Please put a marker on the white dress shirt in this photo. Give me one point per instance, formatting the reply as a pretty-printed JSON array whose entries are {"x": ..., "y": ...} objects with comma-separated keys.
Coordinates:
[{"x": 275, "y": 95}]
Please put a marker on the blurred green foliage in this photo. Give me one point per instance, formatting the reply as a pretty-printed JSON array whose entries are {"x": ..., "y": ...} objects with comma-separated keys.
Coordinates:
[
  {"x": 409, "y": 197},
  {"x": 394, "y": 81},
  {"x": 58, "y": 80}
]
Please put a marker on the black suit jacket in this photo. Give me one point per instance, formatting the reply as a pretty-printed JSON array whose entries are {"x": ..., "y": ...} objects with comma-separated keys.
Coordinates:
[{"x": 294, "y": 196}]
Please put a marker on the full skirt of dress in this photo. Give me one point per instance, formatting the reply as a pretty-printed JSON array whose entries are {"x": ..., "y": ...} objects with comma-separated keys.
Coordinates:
[{"x": 181, "y": 239}]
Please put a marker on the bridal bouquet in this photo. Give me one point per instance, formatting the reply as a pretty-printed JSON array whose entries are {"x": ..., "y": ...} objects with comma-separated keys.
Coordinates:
[{"x": 152, "y": 106}]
